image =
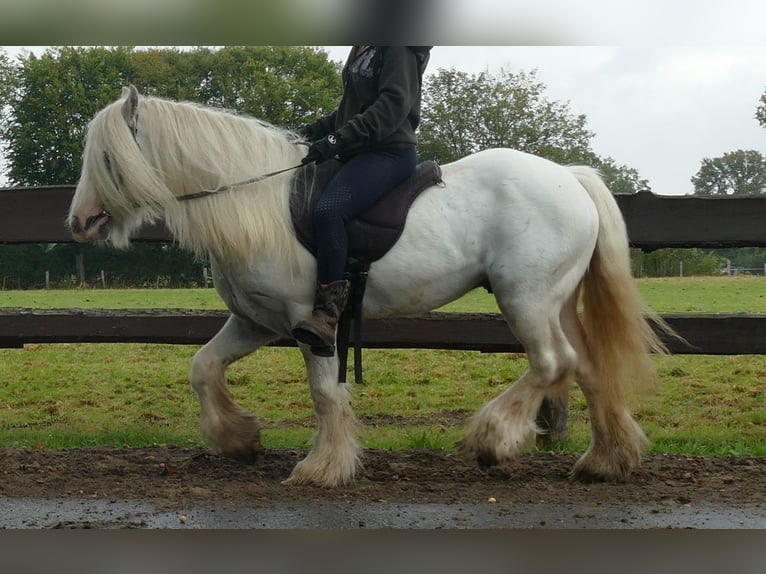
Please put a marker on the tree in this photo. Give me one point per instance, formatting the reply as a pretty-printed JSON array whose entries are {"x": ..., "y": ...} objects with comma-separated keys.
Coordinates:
[
  {"x": 7, "y": 85},
  {"x": 284, "y": 85},
  {"x": 619, "y": 178},
  {"x": 742, "y": 172},
  {"x": 674, "y": 262},
  {"x": 50, "y": 99},
  {"x": 465, "y": 113},
  {"x": 760, "y": 111}
]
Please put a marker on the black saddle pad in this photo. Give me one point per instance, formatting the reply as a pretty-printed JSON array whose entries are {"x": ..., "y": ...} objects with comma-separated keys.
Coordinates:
[{"x": 373, "y": 232}]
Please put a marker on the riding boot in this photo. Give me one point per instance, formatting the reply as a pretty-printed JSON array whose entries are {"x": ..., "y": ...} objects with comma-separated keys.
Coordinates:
[{"x": 319, "y": 330}]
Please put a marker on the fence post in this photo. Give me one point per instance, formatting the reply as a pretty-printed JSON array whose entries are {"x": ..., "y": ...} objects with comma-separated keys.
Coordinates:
[
  {"x": 80, "y": 263},
  {"x": 47, "y": 279}
]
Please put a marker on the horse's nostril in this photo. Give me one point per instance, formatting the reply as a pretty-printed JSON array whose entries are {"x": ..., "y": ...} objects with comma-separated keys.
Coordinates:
[{"x": 96, "y": 219}]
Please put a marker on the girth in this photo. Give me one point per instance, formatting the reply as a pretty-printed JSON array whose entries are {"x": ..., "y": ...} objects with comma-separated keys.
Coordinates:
[{"x": 371, "y": 235}]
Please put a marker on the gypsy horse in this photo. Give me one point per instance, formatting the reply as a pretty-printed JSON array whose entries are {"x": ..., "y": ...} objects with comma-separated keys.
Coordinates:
[{"x": 545, "y": 237}]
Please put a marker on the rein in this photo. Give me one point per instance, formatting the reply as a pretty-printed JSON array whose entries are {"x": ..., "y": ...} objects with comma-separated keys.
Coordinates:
[{"x": 231, "y": 186}]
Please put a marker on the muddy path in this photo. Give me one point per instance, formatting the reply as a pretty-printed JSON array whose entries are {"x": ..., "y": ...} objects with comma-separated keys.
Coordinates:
[{"x": 192, "y": 488}]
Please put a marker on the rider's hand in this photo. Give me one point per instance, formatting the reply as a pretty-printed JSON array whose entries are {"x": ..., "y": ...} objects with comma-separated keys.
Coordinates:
[{"x": 327, "y": 148}]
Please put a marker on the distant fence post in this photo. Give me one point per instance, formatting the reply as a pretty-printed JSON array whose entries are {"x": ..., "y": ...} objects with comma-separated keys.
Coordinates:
[{"x": 80, "y": 263}]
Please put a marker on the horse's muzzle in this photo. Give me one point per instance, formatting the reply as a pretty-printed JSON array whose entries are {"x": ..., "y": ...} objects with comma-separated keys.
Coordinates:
[{"x": 93, "y": 227}]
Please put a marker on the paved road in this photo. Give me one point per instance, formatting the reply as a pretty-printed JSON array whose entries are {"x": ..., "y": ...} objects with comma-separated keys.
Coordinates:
[{"x": 41, "y": 514}]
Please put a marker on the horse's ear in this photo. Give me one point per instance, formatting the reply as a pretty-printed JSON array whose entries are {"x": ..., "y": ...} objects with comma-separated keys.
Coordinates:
[{"x": 130, "y": 107}]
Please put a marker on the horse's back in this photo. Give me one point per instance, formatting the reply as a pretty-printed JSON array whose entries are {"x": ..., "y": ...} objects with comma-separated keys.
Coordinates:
[
  {"x": 498, "y": 212},
  {"x": 520, "y": 189}
]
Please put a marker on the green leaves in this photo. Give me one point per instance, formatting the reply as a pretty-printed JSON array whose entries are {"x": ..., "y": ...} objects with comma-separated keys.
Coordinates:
[
  {"x": 464, "y": 113},
  {"x": 741, "y": 172},
  {"x": 46, "y": 102},
  {"x": 760, "y": 111}
]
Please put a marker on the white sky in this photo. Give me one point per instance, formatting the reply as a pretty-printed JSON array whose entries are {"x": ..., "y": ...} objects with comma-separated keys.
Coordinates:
[{"x": 659, "y": 108}]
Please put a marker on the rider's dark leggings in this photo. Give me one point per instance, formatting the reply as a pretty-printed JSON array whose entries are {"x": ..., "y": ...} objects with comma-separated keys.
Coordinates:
[{"x": 359, "y": 183}]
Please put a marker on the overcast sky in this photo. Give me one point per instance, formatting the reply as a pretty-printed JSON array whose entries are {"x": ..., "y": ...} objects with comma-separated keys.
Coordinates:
[{"x": 659, "y": 108}]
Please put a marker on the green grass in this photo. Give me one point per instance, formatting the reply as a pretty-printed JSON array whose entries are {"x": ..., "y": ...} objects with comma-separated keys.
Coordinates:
[
  {"x": 62, "y": 396},
  {"x": 668, "y": 295}
]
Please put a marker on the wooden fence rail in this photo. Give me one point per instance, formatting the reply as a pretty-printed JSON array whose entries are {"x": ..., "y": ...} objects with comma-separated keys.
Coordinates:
[
  {"x": 36, "y": 215},
  {"x": 708, "y": 334}
]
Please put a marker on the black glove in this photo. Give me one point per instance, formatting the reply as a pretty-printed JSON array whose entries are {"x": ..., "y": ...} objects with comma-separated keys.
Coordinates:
[
  {"x": 310, "y": 132},
  {"x": 324, "y": 149}
]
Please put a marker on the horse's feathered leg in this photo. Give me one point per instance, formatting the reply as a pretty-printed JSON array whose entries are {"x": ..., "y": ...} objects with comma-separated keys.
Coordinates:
[
  {"x": 506, "y": 425},
  {"x": 334, "y": 458},
  {"x": 227, "y": 427}
]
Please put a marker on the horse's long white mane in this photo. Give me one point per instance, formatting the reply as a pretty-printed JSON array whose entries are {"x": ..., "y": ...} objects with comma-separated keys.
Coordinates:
[{"x": 182, "y": 148}]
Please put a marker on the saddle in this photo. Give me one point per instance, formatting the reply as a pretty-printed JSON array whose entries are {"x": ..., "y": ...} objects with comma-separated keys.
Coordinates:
[{"x": 371, "y": 235}]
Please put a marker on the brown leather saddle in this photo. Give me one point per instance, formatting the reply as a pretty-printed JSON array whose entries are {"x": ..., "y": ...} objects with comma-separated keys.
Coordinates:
[
  {"x": 374, "y": 232},
  {"x": 371, "y": 235}
]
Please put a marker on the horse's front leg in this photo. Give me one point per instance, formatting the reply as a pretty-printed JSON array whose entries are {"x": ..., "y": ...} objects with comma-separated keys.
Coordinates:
[
  {"x": 334, "y": 458},
  {"x": 227, "y": 427}
]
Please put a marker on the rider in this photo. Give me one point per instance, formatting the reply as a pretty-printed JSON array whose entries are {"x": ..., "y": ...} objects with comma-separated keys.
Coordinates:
[{"x": 373, "y": 133}]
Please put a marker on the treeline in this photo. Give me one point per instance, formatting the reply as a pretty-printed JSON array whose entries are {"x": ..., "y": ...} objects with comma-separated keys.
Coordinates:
[
  {"x": 164, "y": 265},
  {"x": 35, "y": 266}
]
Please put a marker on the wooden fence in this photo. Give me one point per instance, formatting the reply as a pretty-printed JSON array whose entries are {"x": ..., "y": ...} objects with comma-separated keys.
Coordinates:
[{"x": 37, "y": 215}]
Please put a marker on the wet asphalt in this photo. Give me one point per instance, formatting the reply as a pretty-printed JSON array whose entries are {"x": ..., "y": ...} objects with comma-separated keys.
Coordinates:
[{"x": 116, "y": 514}]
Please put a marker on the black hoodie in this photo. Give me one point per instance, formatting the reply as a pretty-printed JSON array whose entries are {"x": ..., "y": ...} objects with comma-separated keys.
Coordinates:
[{"x": 380, "y": 107}]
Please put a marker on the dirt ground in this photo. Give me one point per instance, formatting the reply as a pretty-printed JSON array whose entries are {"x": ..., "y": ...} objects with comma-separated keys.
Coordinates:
[{"x": 174, "y": 478}]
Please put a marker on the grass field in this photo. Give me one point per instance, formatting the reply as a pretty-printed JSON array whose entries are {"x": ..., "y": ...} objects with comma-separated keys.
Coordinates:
[{"x": 56, "y": 396}]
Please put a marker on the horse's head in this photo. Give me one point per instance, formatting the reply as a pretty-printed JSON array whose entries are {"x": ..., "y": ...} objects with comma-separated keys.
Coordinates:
[
  {"x": 111, "y": 199},
  {"x": 142, "y": 154}
]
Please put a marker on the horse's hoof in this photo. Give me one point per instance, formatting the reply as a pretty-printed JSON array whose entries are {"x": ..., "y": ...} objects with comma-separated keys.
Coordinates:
[
  {"x": 486, "y": 460},
  {"x": 247, "y": 456},
  {"x": 586, "y": 476},
  {"x": 582, "y": 473}
]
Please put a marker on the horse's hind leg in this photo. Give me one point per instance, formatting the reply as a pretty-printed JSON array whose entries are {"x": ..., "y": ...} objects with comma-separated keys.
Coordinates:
[
  {"x": 506, "y": 425},
  {"x": 227, "y": 427},
  {"x": 616, "y": 439},
  {"x": 334, "y": 458}
]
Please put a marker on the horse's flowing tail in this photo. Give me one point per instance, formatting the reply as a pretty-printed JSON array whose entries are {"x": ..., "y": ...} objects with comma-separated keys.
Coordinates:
[{"x": 617, "y": 321}]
